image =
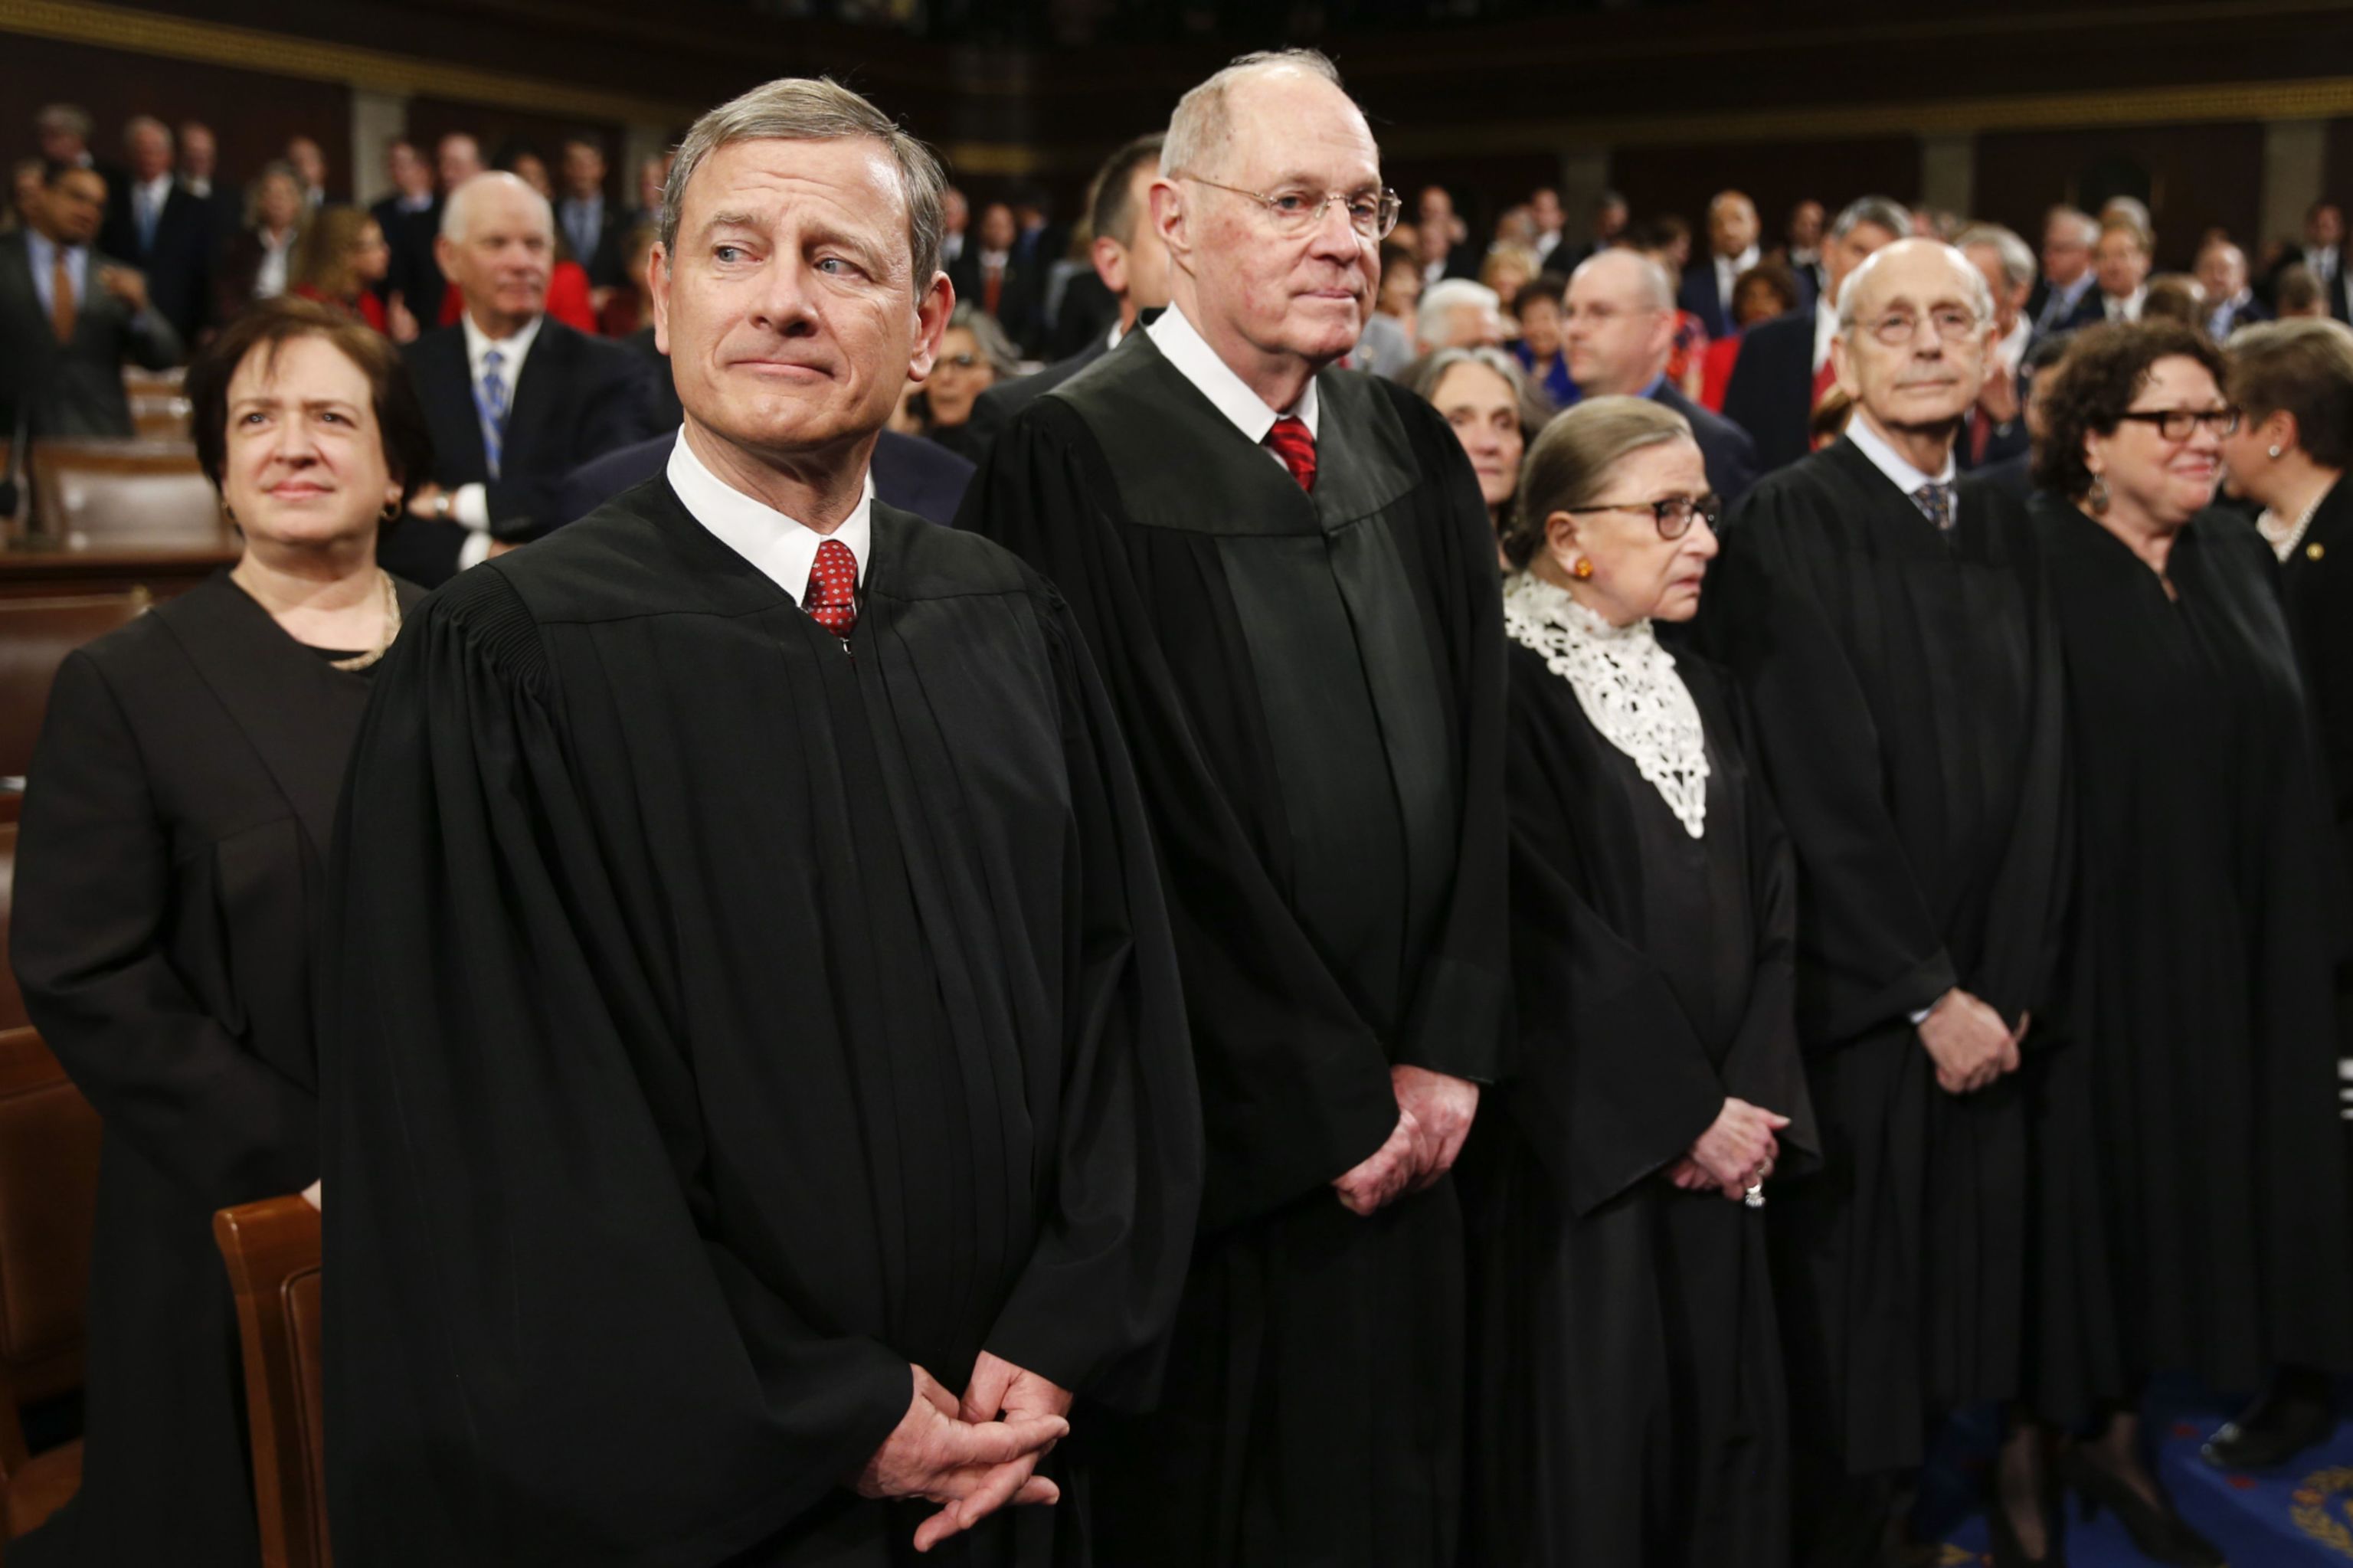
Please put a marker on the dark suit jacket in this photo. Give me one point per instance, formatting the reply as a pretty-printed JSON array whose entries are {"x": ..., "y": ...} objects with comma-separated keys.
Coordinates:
[
  {"x": 993, "y": 409},
  {"x": 2087, "y": 310},
  {"x": 73, "y": 389},
  {"x": 1730, "y": 455},
  {"x": 1020, "y": 299},
  {"x": 1771, "y": 392},
  {"x": 413, "y": 273},
  {"x": 1697, "y": 295},
  {"x": 666, "y": 412},
  {"x": 606, "y": 266},
  {"x": 2316, "y": 585},
  {"x": 178, "y": 264},
  {"x": 2246, "y": 314},
  {"x": 2340, "y": 304},
  {"x": 910, "y": 473},
  {"x": 577, "y": 398}
]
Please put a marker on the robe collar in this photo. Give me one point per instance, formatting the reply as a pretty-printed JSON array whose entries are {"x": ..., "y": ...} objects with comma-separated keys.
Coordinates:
[
  {"x": 1190, "y": 353},
  {"x": 782, "y": 547}
]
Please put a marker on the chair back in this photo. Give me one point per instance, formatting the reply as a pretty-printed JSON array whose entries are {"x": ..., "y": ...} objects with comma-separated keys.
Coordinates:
[
  {"x": 102, "y": 496},
  {"x": 36, "y": 635},
  {"x": 272, "y": 1251}
]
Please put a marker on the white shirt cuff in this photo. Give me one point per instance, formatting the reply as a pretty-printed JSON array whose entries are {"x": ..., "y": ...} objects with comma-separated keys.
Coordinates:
[
  {"x": 475, "y": 550},
  {"x": 469, "y": 507},
  {"x": 1918, "y": 1017}
]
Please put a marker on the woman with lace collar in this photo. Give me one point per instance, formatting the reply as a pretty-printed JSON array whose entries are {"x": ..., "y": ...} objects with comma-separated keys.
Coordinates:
[{"x": 1629, "y": 1406}]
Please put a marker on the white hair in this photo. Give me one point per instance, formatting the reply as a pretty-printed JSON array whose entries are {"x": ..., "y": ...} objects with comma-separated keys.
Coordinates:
[
  {"x": 455, "y": 210},
  {"x": 1656, "y": 289},
  {"x": 2018, "y": 267},
  {"x": 1200, "y": 128},
  {"x": 1441, "y": 299},
  {"x": 1980, "y": 294},
  {"x": 2087, "y": 227}
]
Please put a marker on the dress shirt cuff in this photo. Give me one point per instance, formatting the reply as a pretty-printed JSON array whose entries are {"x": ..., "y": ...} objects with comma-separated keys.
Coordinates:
[
  {"x": 469, "y": 507},
  {"x": 1920, "y": 1015},
  {"x": 474, "y": 551}
]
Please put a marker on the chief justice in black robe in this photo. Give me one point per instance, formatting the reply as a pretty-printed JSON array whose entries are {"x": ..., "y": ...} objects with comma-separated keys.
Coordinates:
[
  {"x": 1628, "y": 1403},
  {"x": 1307, "y": 666},
  {"x": 1892, "y": 633},
  {"x": 751, "y": 1014}
]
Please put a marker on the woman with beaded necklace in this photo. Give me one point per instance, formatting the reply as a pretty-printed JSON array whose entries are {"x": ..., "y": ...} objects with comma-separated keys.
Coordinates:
[
  {"x": 170, "y": 880},
  {"x": 1628, "y": 1403}
]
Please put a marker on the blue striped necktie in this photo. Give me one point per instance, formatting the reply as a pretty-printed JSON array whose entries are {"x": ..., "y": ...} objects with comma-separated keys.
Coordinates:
[{"x": 491, "y": 403}]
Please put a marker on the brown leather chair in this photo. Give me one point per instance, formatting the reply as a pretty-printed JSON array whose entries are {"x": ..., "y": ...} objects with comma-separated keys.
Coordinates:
[
  {"x": 49, "y": 1202},
  {"x": 36, "y": 635},
  {"x": 100, "y": 495},
  {"x": 272, "y": 1250}
]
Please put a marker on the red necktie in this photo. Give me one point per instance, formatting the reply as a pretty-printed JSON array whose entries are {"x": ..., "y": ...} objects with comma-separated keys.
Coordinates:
[
  {"x": 1824, "y": 379},
  {"x": 1296, "y": 448},
  {"x": 832, "y": 597},
  {"x": 992, "y": 290}
]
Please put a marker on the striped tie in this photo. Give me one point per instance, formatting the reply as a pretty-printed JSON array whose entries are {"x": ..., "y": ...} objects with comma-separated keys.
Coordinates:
[
  {"x": 491, "y": 403},
  {"x": 1296, "y": 448}
]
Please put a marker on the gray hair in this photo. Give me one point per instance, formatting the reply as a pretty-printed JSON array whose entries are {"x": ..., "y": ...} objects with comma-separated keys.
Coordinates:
[
  {"x": 2087, "y": 227},
  {"x": 1444, "y": 296},
  {"x": 66, "y": 117},
  {"x": 1200, "y": 128},
  {"x": 1980, "y": 296},
  {"x": 995, "y": 346},
  {"x": 1422, "y": 376},
  {"x": 1657, "y": 290},
  {"x": 459, "y": 207},
  {"x": 806, "y": 109},
  {"x": 1883, "y": 212},
  {"x": 138, "y": 122},
  {"x": 2018, "y": 268},
  {"x": 1570, "y": 462}
]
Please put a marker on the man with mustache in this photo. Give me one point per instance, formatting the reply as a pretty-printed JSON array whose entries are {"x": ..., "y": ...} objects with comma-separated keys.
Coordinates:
[
  {"x": 755, "y": 1087},
  {"x": 1286, "y": 574},
  {"x": 1892, "y": 634}
]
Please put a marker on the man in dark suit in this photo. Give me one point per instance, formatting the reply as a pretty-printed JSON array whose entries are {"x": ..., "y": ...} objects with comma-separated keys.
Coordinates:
[
  {"x": 1129, "y": 259},
  {"x": 2323, "y": 255},
  {"x": 590, "y": 224},
  {"x": 70, "y": 316},
  {"x": 1618, "y": 330},
  {"x": 996, "y": 281},
  {"x": 1732, "y": 230},
  {"x": 910, "y": 473},
  {"x": 158, "y": 227},
  {"x": 1783, "y": 368},
  {"x": 2069, "y": 294},
  {"x": 515, "y": 400},
  {"x": 1445, "y": 240},
  {"x": 411, "y": 220},
  {"x": 2230, "y": 303}
]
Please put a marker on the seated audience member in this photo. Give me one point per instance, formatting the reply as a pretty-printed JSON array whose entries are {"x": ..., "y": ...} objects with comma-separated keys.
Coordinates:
[
  {"x": 1707, "y": 287},
  {"x": 1767, "y": 290},
  {"x": 1443, "y": 239},
  {"x": 2068, "y": 293},
  {"x": 1539, "y": 308},
  {"x": 1456, "y": 312},
  {"x": 340, "y": 260},
  {"x": 2231, "y": 302},
  {"x": 515, "y": 398},
  {"x": 994, "y": 280},
  {"x": 1130, "y": 261},
  {"x": 1784, "y": 368},
  {"x": 177, "y": 822},
  {"x": 590, "y": 227},
  {"x": 1619, "y": 337},
  {"x": 199, "y": 158},
  {"x": 260, "y": 255},
  {"x": 1996, "y": 430},
  {"x": 2189, "y": 1131},
  {"x": 1493, "y": 410},
  {"x": 1387, "y": 345},
  {"x": 2120, "y": 262},
  {"x": 410, "y": 219},
  {"x": 309, "y": 163},
  {"x": 2296, "y": 293},
  {"x": 1508, "y": 269},
  {"x": 156, "y": 225},
  {"x": 1628, "y": 1403},
  {"x": 70, "y": 316},
  {"x": 569, "y": 298},
  {"x": 974, "y": 356}
]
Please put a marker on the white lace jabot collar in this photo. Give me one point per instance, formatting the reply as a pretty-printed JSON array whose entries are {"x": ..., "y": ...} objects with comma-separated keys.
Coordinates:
[{"x": 1627, "y": 686}]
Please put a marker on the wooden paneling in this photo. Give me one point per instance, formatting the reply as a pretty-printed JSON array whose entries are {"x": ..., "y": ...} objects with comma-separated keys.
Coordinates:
[
  {"x": 2193, "y": 178},
  {"x": 1777, "y": 176}
]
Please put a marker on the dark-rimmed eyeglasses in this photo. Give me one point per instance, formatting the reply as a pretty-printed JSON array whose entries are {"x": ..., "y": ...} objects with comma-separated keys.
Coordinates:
[
  {"x": 2175, "y": 424},
  {"x": 1372, "y": 214},
  {"x": 1674, "y": 514}
]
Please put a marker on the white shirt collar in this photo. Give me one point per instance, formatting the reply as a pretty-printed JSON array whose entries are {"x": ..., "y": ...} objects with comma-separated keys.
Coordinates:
[
  {"x": 2011, "y": 350},
  {"x": 513, "y": 350},
  {"x": 157, "y": 191},
  {"x": 1730, "y": 267},
  {"x": 1891, "y": 463},
  {"x": 1825, "y": 329},
  {"x": 1190, "y": 353},
  {"x": 785, "y": 550},
  {"x": 2131, "y": 305}
]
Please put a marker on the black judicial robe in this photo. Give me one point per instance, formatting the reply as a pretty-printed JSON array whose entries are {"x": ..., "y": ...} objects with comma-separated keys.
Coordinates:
[
  {"x": 171, "y": 876},
  {"x": 1313, "y": 691},
  {"x": 2189, "y": 1152},
  {"x": 2316, "y": 586},
  {"x": 722, "y": 1023},
  {"x": 1627, "y": 1405},
  {"x": 1905, "y": 694}
]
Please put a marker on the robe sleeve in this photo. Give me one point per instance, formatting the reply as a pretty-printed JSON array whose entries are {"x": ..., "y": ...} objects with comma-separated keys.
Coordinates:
[
  {"x": 540, "y": 1345},
  {"x": 97, "y": 888},
  {"x": 1294, "y": 1085},
  {"x": 1612, "y": 1084},
  {"x": 1874, "y": 952},
  {"x": 1093, "y": 1309}
]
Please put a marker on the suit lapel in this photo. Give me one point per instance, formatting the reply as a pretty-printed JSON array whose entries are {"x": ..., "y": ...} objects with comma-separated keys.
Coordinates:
[
  {"x": 537, "y": 390},
  {"x": 441, "y": 358}
]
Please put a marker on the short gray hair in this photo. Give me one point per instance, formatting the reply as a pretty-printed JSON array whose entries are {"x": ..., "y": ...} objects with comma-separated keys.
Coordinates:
[
  {"x": 1658, "y": 290},
  {"x": 2087, "y": 227},
  {"x": 454, "y": 211},
  {"x": 1444, "y": 296},
  {"x": 1882, "y": 212},
  {"x": 817, "y": 109},
  {"x": 2018, "y": 268},
  {"x": 995, "y": 346},
  {"x": 1200, "y": 128},
  {"x": 68, "y": 117},
  {"x": 1980, "y": 296},
  {"x": 138, "y": 122}
]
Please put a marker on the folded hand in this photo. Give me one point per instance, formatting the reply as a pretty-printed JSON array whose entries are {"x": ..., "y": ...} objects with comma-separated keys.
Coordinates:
[{"x": 973, "y": 1470}]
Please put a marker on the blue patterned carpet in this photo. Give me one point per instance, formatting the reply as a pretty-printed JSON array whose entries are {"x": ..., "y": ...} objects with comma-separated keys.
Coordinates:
[{"x": 2300, "y": 1518}]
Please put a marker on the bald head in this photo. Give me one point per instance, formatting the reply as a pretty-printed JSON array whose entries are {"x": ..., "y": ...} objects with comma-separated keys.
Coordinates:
[
  {"x": 1918, "y": 267},
  {"x": 1628, "y": 275},
  {"x": 1618, "y": 326},
  {"x": 497, "y": 244},
  {"x": 1238, "y": 105},
  {"x": 1916, "y": 325}
]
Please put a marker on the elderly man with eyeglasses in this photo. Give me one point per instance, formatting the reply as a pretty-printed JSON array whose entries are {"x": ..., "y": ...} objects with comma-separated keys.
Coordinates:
[
  {"x": 1287, "y": 578},
  {"x": 1892, "y": 631}
]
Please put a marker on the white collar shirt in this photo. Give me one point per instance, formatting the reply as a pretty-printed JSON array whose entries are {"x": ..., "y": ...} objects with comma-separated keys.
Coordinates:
[
  {"x": 2011, "y": 350},
  {"x": 148, "y": 196},
  {"x": 2124, "y": 310},
  {"x": 783, "y": 549},
  {"x": 1195, "y": 360},
  {"x": 2322, "y": 260},
  {"x": 513, "y": 351},
  {"x": 1898, "y": 467},
  {"x": 1727, "y": 272}
]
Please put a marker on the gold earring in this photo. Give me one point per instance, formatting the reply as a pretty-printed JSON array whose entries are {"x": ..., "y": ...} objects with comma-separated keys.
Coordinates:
[{"x": 1583, "y": 568}]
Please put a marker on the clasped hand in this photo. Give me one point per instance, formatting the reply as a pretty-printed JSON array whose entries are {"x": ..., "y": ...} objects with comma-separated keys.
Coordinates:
[
  {"x": 959, "y": 1454},
  {"x": 1434, "y": 1115},
  {"x": 1970, "y": 1043},
  {"x": 1736, "y": 1153}
]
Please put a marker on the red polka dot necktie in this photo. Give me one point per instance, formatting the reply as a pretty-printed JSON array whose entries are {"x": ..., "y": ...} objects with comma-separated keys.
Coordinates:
[
  {"x": 1296, "y": 448},
  {"x": 832, "y": 597}
]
